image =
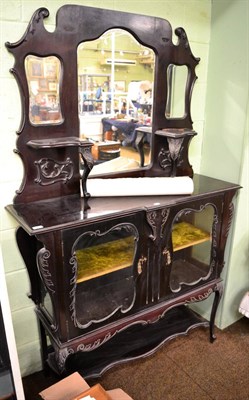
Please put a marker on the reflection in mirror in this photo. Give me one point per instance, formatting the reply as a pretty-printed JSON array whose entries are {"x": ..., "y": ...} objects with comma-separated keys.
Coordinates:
[
  {"x": 105, "y": 262},
  {"x": 115, "y": 81},
  {"x": 43, "y": 76},
  {"x": 176, "y": 83},
  {"x": 192, "y": 242}
]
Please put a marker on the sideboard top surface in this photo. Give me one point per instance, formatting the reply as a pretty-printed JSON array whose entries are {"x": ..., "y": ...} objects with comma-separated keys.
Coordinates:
[{"x": 70, "y": 211}]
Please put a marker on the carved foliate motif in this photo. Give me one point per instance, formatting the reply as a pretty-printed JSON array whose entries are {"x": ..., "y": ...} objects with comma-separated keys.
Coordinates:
[
  {"x": 171, "y": 158},
  {"x": 175, "y": 146},
  {"x": 50, "y": 171},
  {"x": 157, "y": 219},
  {"x": 230, "y": 213},
  {"x": 164, "y": 158},
  {"x": 151, "y": 219},
  {"x": 165, "y": 215}
]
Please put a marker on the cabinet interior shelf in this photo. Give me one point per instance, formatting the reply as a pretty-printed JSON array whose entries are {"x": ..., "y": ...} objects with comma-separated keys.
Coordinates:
[
  {"x": 104, "y": 258},
  {"x": 185, "y": 235},
  {"x": 112, "y": 256}
]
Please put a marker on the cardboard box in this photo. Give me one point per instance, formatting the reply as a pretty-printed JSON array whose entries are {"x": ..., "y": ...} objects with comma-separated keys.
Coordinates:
[
  {"x": 97, "y": 392},
  {"x": 67, "y": 389},
  {"x": 74, "y": 387}
]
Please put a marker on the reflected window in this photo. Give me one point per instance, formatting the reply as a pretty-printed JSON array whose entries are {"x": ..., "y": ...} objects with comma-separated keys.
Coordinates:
[
  {"x": 43, "y": 76},
  {"x": 116, "y": 74},
  {"x": 176, "y": 83}
]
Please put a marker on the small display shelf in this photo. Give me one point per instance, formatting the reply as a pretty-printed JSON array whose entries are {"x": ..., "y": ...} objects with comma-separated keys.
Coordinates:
[
  {"x": 58, "y": 142},
  {"x": 175, "y": 133},
  {"x": 186, "y": 235}
]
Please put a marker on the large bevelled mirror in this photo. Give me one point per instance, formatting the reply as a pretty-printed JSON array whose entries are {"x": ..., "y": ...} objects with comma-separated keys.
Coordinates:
[{"x": 115, "y": 85}]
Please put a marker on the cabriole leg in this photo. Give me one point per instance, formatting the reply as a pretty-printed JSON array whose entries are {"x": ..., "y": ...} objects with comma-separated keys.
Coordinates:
[{"x": 218, "y": 290}]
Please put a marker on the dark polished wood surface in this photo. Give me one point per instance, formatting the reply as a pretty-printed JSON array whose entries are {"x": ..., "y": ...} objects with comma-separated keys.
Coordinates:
[
  {"x": 74, "y": 25},
  {"x": 47, "y": 215}
]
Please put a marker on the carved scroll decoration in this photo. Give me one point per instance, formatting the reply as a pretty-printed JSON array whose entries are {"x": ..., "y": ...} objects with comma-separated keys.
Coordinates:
[
  {"x": 164, "y": 158},
  {"x": 230, "y": 217},
  {"x": 97, "y": 343},
  {"x": 61, "y": 357},
  {"x": 165, "y": 214},
  {"x": 42, "y": 259},
  {"x": 153, "y": 220},
  {"x": 200, "y": 297},
  {"x": 50, "y": 171}
]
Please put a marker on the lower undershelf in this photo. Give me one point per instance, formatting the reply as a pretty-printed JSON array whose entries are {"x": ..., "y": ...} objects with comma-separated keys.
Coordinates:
[{"x": 134, "y": 342}]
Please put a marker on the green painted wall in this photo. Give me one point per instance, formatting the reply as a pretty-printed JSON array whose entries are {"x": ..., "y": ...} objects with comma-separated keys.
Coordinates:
[{"x": 225, "y": 150}]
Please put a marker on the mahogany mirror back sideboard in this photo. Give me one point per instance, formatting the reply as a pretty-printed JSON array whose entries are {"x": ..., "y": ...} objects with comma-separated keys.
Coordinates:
[{"x": 112, "y": 278}]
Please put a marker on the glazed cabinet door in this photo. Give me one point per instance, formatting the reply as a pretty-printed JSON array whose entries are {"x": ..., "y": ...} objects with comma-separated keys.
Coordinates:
[
  {"x": 101, "y": 264},
  {"x": 190, "y": 245}
]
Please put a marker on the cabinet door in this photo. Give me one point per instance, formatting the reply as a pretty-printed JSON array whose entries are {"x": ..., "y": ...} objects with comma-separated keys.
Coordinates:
[
  {"x": 194, "y": 240},
  {"x": 102, "y": 260}
]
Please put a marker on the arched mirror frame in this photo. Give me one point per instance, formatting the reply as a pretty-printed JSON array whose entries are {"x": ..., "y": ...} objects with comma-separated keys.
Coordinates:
[{"x": 59, "y": 143}]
